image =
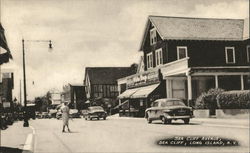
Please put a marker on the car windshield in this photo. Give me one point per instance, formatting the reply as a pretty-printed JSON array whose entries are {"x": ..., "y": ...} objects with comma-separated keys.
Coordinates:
[
  {"x": 172, "y": 103},
  {"x": 96, "y": 108}
]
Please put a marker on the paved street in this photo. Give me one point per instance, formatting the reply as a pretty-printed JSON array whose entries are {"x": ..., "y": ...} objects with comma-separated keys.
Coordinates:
[{"x": 131, "y": 135}]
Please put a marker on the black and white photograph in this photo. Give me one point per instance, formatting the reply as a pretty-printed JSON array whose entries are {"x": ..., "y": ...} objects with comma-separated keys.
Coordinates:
[{"x": 124, "y": 76}]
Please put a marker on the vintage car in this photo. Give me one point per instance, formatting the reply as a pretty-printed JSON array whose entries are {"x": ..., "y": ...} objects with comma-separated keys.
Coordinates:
[
  {"x": 58, "y": 115},
  {"x": 95, "y": 112},
  {"x": 52, "y": 113},
  {"x": 168, "y": 109},
  {"x": 45, "y": 115},
  {"x": 74, "y": 113}
]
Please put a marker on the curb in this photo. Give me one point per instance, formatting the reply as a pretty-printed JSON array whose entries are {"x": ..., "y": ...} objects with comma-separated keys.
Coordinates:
[{"x": 29, "y": 143}]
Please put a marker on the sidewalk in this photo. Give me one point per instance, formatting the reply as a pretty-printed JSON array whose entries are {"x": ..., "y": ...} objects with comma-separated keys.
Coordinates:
[
  {"x": 13, "y": 139},
  {"x": 224, "y": 121}
]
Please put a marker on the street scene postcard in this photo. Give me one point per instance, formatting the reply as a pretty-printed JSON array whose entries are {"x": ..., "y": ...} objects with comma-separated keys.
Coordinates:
[{"x": 124, "y": 76}]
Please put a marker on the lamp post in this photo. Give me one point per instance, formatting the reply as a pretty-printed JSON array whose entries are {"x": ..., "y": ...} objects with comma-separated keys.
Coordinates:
[{"x": 26, "y": 122}]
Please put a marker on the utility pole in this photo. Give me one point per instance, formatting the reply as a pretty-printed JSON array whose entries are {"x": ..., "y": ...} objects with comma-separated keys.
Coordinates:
[
  {"x": 26, "y": 123},
  {"x": 20, "y": 92}
]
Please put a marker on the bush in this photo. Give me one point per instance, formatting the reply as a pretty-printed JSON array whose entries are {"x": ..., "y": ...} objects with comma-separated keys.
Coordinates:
[
  {"x": 207, "y": 100},
  {"x": 237, "y": 99}
]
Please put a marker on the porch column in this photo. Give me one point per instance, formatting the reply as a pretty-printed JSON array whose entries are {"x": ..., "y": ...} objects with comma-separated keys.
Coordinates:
[
  {"x": 189, "y": 84},
  {"x": 169, "y": 88},
  {"x": 242, "y": 82},
  {"x": 216, "y": 81}
]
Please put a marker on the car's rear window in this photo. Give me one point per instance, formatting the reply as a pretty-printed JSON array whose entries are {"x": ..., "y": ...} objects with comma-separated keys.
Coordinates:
[
  {"x": 96, "y": 108},
  {"x": 172, "y": 103}
]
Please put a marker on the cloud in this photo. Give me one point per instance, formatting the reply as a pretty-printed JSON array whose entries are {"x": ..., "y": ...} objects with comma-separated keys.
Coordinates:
[{"x": 89, "y": 33}]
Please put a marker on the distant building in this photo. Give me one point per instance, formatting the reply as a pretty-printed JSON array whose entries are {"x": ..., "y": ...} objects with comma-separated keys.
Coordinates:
[
  {"x": 100, "y": 82},
  {"x": 6, "y": 87},
  {"x": 75, "y": 95},
  {"x": 55, "y": 97}
]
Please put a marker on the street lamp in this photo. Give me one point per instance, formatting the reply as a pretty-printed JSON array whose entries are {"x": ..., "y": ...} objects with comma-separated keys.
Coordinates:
[{"x": 26, "y": 122}]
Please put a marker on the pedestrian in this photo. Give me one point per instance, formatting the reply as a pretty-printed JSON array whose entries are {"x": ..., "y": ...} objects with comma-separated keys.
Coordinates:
[{"x": 65, "y": 116}]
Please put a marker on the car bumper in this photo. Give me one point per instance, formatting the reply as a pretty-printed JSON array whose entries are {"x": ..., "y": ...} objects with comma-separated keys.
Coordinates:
[
  {"x": 97, "y": 116},
  {"x": 179, "y": 117}
]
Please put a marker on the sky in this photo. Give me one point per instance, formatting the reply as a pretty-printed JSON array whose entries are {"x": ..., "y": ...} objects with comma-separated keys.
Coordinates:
[{"x": 88, "y": 33}]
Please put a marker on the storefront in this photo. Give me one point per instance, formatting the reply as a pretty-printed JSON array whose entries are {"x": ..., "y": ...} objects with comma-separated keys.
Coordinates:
[{"x": 142, "y": 89}]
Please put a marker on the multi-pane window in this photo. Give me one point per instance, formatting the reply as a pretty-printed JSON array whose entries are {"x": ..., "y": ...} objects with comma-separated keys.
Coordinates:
[
  {"x": 181, "y": 52},
  {"x": 230, "y": 54},
  {"x": 153, "y": 38},
  {"x": 149, "y": 60},
  {"x": 248, "y": 53},
  {"x": 158, "y": 57}
]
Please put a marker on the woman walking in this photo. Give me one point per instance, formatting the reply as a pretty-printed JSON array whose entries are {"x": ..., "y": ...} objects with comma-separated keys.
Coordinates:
[{"x": 65, "y": 116}]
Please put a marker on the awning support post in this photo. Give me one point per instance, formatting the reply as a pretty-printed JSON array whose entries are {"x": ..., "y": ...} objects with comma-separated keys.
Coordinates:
[
  {"x": 129, "y": 108},
  {"x": 189, "y": 83}
]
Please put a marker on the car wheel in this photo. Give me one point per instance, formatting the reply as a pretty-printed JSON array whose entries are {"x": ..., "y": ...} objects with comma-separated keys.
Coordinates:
[
  {"x": 163, "y": 120},
  {"x": 169, "y": 121},
  {"x": 86, "y": 118},
  {"x": 149, "y": 120},
  {"x": 98, "y": 118},
  {"x": 90, "y": 118},
  {"x": 104, "y": 118},
  {"x": 186, "y": 121}
]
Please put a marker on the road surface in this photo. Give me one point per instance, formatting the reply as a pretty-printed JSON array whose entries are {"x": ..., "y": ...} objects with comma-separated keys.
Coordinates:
[{"x": 129, "y": 135}]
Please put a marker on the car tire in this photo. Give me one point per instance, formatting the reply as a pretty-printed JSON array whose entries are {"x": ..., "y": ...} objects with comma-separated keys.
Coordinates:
[
  {"x": 169, "y": 121},
  {"x": 104, "y": 118},
  {"x": 186, "y": 121},
  {"x": 90, "y": 118},
  {"x": 98, "y": 118},
  {"x": 149, "y": 120},
  {"x": 164, "y": 120},
  {"x": 86, "y": 118}
]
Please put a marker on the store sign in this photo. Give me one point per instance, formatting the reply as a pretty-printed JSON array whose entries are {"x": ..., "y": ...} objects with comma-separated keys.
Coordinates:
[
  {"x": 143, "y": 79},
  {"x": 6, "y": 104}
]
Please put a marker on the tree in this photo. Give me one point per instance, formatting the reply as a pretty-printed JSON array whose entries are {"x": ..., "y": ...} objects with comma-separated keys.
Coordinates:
[{"x": 134, "y": 67}]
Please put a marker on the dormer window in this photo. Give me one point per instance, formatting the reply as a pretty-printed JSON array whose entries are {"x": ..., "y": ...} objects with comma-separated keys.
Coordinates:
[
  {"x": 230, "y": 55},
  {"x": 181, "y": 52},
  {"x": 153, "y": 38}
]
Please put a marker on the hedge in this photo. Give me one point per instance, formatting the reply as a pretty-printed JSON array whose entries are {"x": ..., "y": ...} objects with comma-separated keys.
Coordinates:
[
  {"x": 236, "y": 99},
  {"x": 207, "y": 100}
]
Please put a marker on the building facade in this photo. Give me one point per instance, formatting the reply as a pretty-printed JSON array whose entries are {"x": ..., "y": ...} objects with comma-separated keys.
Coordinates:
[
  {"x": 194, "y": 55},
  {"x": 75, "y": 94},
  {"x": 100, "y": 83}
]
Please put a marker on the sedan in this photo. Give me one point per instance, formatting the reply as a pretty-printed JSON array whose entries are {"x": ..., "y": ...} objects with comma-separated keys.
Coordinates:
[
  {"x": 95, "y": 112},
  {"x": 168, "y": 109}
]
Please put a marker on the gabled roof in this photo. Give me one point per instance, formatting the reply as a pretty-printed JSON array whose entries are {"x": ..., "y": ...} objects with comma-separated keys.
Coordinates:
[
  {"x": 184, "y": 28},
  {"x": 107, "y": 75},
  {"x": 246, "y": 29}
]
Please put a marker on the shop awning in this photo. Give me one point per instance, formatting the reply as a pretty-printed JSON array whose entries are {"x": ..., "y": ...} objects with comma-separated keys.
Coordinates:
[
  {"x": 127, "y": 93},
  {"x": 143, "y": 92}
]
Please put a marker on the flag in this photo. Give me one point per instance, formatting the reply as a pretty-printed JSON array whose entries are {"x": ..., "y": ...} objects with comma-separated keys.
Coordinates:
[{"x": 3, "y": 43}]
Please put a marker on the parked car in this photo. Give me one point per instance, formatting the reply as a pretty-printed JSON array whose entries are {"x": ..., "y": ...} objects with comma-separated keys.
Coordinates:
[
  {"x": 58, "y": 114},
  {"x": 52, "y": 113},
  {"x": 95, "y": 112},
  {"x": 38, "y": 115},
  {"x": 45, "y": 115},
  {"x": 168, "y": 109},
  {"x": 74, "y": 113}
]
